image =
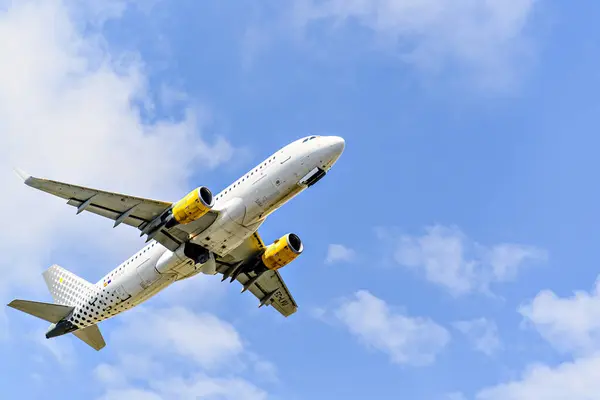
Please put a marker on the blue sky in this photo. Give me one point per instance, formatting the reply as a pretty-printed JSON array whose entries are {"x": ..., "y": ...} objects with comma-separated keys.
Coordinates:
[{"x": 450, "y": 254}]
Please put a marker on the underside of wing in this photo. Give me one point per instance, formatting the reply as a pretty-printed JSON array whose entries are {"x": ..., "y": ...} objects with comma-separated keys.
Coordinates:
[
  {"x": 123, "y": 209},
  {"x": 268, "y": 286}
]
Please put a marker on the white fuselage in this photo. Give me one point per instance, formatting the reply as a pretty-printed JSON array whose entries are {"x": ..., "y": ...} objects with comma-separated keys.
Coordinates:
[{"x": 243, "y": 207}]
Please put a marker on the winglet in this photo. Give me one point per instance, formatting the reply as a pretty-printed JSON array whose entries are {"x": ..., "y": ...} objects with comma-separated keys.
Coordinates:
[{"x": 22, "y": 174}]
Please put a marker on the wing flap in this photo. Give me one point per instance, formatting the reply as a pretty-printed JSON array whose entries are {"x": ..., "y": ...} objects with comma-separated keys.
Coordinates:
[
  {"x": 271, "y": 287},
  {"x": 132, "y": 219}
]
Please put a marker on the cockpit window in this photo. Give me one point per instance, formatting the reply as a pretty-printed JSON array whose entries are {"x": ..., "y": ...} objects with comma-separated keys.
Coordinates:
[{"x": 309, "y": 138}]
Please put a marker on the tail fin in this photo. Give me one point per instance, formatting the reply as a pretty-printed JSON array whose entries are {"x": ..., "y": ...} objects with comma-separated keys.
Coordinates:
[
  {"x": 66, "y": 287},
  {"x": 48, "y": 312}
]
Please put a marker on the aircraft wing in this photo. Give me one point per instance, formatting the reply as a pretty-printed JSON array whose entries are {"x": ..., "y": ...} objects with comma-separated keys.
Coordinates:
[
  {"x": 269, "y": 288},
  {"x": 130, "y": 210}
]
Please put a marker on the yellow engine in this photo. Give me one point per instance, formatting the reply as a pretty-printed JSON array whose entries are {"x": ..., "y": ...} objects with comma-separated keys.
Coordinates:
[
  {"x": 193, "y": 206},
  {"x": 282, "y": 252}
]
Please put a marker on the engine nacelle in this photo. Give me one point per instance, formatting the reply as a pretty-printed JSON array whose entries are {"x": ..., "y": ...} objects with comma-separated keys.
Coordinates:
[
  {"x": 193, "y": 206},
  {"x": 282, "y": 252}
]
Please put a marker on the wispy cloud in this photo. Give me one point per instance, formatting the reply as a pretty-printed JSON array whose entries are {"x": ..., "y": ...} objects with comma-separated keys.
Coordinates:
[
  {"x": 405, "y": 339},
  {"x": 448, "y": 258},
  {"x": 199, "y": 386},
  {"x": 61, "y": 350},
  {"x": 339, "y": 253},
  {"x": 487, "y": 39},
  {"x": 482, "y": 333}
]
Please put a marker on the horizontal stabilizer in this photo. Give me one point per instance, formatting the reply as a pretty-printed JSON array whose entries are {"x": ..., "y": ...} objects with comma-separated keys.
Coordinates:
[
  {"x": 22, "y": 174},
  {"x": 46, "y": 311},
  {"x": 91, "y": 336}
]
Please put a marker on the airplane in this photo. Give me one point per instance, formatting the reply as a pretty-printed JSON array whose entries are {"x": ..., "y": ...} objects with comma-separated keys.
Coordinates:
[{"x": 200, "y": 233}]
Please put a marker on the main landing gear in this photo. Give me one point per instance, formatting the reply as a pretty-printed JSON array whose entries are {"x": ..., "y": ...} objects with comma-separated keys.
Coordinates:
[{"x": 196, "y": 252}]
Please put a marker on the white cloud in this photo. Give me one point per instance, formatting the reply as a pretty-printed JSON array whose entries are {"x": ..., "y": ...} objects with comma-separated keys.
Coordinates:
[
  {"x": 130, "y": 394},
  {"x": 199, "y": 386},
  {"x": 205, "y": 387},
  {"x": 482, "y": 333},
  {"x": 506, "y": 259},
  {"x": 162, "y": 383},
  {"x": 109, "y": 375},
  {"x": 577, "y": 380},
  {"x": 70, "y": 109},
  {"x": 129, "y": 366},
  {"x": 73, "y": 109},
  {"x": 453, "y": 261},
  {"x": 405, "y": 339},
  {"x": 571, "y": 324},
  {"x": 174, "y": 355},
  {"x": 339, "y": 253},
  {"x": 207, "y": 340},
  {"x": 486, "y": 37}
]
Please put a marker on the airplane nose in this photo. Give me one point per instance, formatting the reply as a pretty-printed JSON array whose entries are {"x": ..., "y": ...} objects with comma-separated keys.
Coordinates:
[
  {"x": 334, "y": 146},
  {"x": 338, "y": 144}
]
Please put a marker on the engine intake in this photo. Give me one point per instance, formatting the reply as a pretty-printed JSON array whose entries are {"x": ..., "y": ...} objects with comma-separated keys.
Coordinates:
[
  {"x": 282, "y": 252},
  {"x": 193, "y": 206}
]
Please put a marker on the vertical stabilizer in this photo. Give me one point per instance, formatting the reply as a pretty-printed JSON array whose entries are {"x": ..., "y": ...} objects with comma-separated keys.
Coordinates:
[{"x": 66, "y": 287}]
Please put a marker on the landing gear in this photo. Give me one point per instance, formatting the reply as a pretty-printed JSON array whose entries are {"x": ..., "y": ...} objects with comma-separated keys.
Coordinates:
[{"x": 196, "y": 252}]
